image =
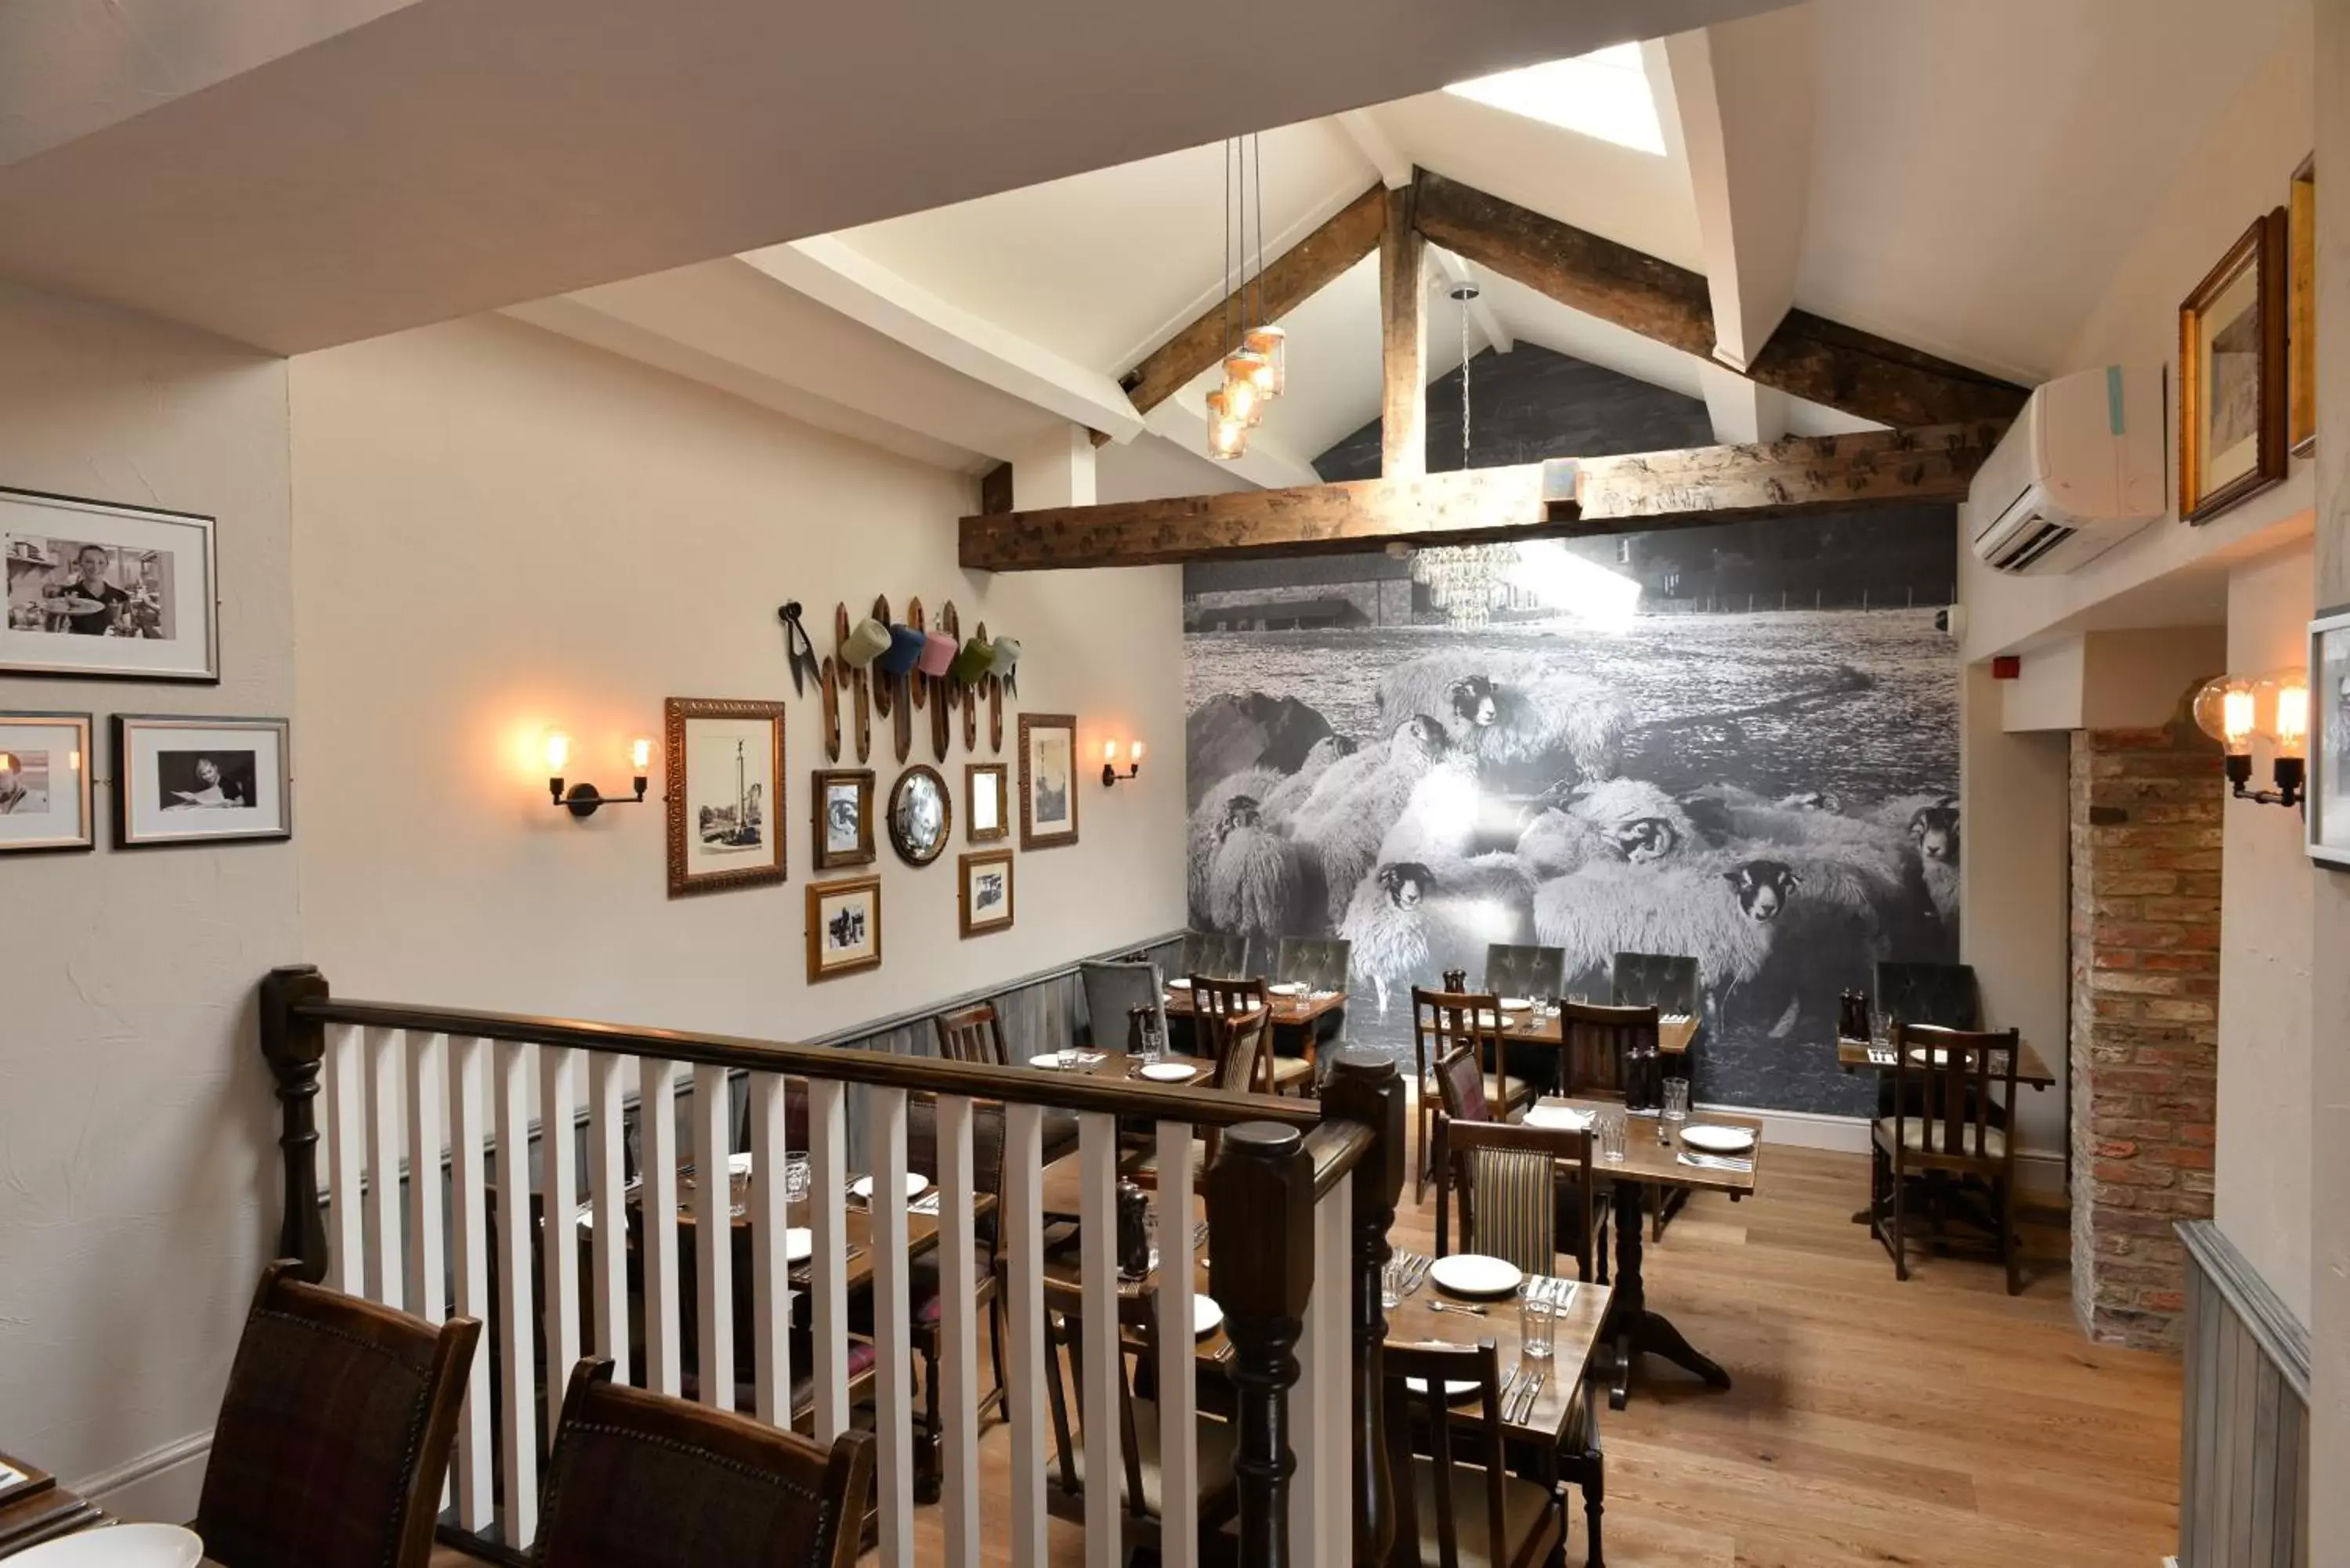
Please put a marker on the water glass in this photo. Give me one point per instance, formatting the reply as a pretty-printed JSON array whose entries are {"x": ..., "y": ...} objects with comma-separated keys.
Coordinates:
[
  {"x": 1579, "y": 998},
  {"x": 1537, "y": 1320},
  {"x": 1391, "y": 1283},
  {"x": 1676, "y": 1099},
  {"x": 799, "y": 1177},
  {"x": 1067, "y": 1058},
  {"x": 1608, "y": 1128},
  {"x": 738, "y": 1193}
]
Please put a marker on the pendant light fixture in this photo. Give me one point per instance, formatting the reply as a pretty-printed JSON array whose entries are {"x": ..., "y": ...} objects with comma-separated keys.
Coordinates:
[
  {"x": 1462, "y": 579},
  {"x": 1255, "y": 357}
]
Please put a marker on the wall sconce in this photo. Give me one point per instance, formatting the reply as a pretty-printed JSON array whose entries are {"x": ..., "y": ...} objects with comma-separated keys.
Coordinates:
[
  {"x": 2237, "y": 710},
  {"x": 582, "y": 799},
  {"x": 1110, "y": 774}
]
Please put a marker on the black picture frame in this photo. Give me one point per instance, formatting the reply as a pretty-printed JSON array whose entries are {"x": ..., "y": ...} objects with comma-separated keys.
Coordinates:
[
  {"x": 130, "y": 778},
  {"x": 208, "y": 597}
]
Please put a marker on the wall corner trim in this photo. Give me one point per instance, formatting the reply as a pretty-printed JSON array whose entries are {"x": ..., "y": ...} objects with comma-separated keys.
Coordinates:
[{"x": 2281, "y": 1334}]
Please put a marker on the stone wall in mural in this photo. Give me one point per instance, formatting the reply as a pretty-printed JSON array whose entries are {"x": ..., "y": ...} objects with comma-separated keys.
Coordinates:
[{"x": 1755, "y": 763}]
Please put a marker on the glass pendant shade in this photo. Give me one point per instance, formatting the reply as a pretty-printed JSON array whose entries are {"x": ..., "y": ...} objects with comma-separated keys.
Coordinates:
[
  {"x": 2223, "y": 710},
  {"x": 1227, "y": 436},
  {"x": 1271, "y": 345},
  {"x": 1244, "y": 399}
]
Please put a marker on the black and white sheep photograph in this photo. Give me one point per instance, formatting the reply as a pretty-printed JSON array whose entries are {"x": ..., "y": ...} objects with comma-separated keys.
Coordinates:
[{"x": 1662, "y": 743}]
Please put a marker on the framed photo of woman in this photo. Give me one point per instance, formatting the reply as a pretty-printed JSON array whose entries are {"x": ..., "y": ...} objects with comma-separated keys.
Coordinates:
[{"x": 1048, "y": 780}]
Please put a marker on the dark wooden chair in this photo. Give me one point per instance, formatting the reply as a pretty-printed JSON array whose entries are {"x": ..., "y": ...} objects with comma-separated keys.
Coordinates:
[
  {"x": 1596, "y": 1047},
  {"x": 1141, "y": 1493},
  {"x": 1235, "y": 997},
  {"x": 333, "y": 1431},
  {"x": 973, "y": 1033},
  {"x": 648, "y": 1481},
  {"x": 1443, "y": 1021},
  {"x": 1459, "y": 1506},
  {"x": 1945, "y": 1083},
  {"x": 1318, "y": 964}
]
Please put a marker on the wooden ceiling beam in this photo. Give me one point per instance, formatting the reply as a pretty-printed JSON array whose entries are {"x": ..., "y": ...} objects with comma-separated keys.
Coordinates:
[
  {"x": 1403, "y": 342},
  {"x": 1289, "y": 279},
  {"x": 1807, "y": 356},
  {"x": 1562, "y": 497}
]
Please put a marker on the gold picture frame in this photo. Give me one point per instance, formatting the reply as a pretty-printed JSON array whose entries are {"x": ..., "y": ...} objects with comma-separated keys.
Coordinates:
[
  {"x": 844, "y": 928},
  {"x": 2232, "y": 376},
  {"x": 2301, "y": 328},
  {"x": 985, "y": 898},
  {"x": 1048, "y": 780},
  {"x": 985, "y": 783},
  {"x": 736, "y": 837}
]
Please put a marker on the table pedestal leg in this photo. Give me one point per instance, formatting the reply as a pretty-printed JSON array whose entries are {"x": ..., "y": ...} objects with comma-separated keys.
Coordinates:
[{"x": 1638, "y": 1330}]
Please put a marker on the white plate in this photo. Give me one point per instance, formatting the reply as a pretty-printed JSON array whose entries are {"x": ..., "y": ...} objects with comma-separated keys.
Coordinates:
[
  {"x": 1474, "y": 1274},
  {"x": 1170, "y": 1072},
  {"x": 1286, "y": 988},
  {"x": 1206, "y": 1316},
  {"x": 738, "y": 1163},
  {"x": 915, "y": 1185},
  {"x": 1716, "y": 1140},
  {"x": 799, "y": 1243},
  {"x": 118, "y": 1546},
  {"x": 1179, "y": 985},
  {"x": 1566, "y": 1118},
  {"x": 1517, "y": 1004},
  {"x": 1049, "y": 1059},
  {"x": 1454, "y": 1387},
  {"x": 1942, "y": 1056}
]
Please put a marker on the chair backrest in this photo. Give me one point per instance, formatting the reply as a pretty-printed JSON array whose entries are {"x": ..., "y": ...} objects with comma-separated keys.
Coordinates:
[
  {"x": 656, "y": 1482},
  {"x": 1443, "y": 1021},
  {"x": 1461, "y": 1085},
  {"x": 1942, "y": 994},
  {"x": 1598, "y": 1043},
  {"x": 1243, "y": 1064},
  {"x": 972, "y": 1033},
  {"x": 1666, "y": 982},
  {"x": 1227, "y": 995},
  {"x": 1507, "y": 1176},
  {"x": 1113, "y": 989},
  {"x": 1317, "y": 963},
  {"x": 333, "y": 1431},
  {"x": 1452, "y": 1440},
  {"x": 1064, "y": 1330},
  {"x": 1215, "y": 953},
  {"x": 1512, "y": 969},
  {"x": 1942, "y": 1083}
]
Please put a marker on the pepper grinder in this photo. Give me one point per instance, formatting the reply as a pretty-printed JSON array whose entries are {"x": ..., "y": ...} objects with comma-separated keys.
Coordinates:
[{"x": 1133, "y": 1232}]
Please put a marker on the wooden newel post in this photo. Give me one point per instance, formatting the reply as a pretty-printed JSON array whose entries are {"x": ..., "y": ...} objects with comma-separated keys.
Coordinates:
[
  {"x": 1259, "y": 1270},
  {"x": 1364, "y": 1086},
  {"x": 294, "y": 1047}
]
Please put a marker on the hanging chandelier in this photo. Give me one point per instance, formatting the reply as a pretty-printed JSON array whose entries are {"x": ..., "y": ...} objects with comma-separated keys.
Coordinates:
[
  {"x": 1464, "y": 580},
  {"x": 1255, "y": 357}
]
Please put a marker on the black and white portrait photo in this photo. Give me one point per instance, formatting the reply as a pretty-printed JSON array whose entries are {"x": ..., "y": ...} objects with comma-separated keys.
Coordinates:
[
  {"x": 100, "y": 589},
  {"x": 45, "y": 782},
  {"x": 844, "y": 926},
  {"x": 986, "y": 900},
  {"x": 24, "y": 784},
  {"x": 725, "y": 763},
  {"x": 1049, "y": 803},
  {"x": 181, "y": 780}
]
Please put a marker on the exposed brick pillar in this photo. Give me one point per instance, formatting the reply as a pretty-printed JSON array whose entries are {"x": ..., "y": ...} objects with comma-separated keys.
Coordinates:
[{"x": 2145, "y": 826}]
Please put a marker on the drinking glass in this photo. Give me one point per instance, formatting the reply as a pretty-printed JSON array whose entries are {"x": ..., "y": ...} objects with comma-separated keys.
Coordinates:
[
  {"x": 1154, "y": 1045},
  {"x": 1067, "y": 1058},
  {"x": 799, "y": 1177},
  {"x": 1609, "y": 1129},
  {"x": 738, "y": 1193},
  {"x": 1537, "y": 1320},
  {"x": 1676, "y": 1099},
  {"x": 1580, "y": 997},
  {"x": 1391, "y": 1280},
  {"x": 1879, "y": 1032}
]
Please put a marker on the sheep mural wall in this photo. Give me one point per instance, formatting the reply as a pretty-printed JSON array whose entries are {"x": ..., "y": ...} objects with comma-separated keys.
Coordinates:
[{"x": 1773, "y": 792}]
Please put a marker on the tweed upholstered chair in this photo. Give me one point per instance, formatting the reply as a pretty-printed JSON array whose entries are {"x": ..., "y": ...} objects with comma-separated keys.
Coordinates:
[
  {"x": 1214, "y": 952},
  {"x": 646, "y": 1482},
  {"x": 1666, "y": 982},
  {"x": 334, "y": 1432},
  {"x": 1113, "y": 989}
]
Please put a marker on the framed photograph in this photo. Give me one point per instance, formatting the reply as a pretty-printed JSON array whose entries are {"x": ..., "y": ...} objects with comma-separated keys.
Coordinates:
[
  {"x": 984, "y": 899},
  {"x": 921, "y": 815},
  {"x": 842, "y": 806},
  {"x": 98, "y": 589},
  {"x": 45, "y": 783},
  {"x": 2301, "y": 324},
  {"x": 1048, "y": 780},
  {"x": 725, "y": 794},
  {"x": 2232, "y": 376},
  {"x": 844, "y": 926},
  {"x": 178, "y": 779},
  {"x": 2326, "y": 805},
  {"x": 985, "y": 804}
]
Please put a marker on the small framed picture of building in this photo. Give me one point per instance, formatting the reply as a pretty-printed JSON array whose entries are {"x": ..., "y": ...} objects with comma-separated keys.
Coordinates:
[
  {"x": 2326, "y": 807},
  {"x": 106, "y": 590},
  {"x": 985, "y": 901},
  {"x": 844, "y": 926},
  {"x": 45, "y": 783},
  {"x": 180, "y": 779},
  {"x": 1048, "y": 780}
]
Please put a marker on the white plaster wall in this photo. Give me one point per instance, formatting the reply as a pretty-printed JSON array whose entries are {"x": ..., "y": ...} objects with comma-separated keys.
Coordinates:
[
  {"x": 2261, "y": 1191},
  {"x": 138, "y": 1167},
  {"x": 499, "y": 531}
]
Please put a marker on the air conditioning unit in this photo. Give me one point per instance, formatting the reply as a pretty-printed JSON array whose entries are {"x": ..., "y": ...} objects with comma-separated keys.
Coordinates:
[{"x": 2080, "y": 471}]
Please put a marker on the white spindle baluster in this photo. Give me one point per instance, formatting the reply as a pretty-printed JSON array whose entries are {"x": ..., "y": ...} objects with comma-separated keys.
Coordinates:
[
  {"x": 347, "y": 1153},
  {"x": 1098, "y": 1266},
  {"x": 829, "y": 1153},
  {"x": 1333, "y": 1410},
  {"x": 771, "y": 1285},
  {"x": 713, "y": 1236},
  {"x": 384, "y": 1089},
  {"x": 958, "y": 1336},
  {"x": 558, "y": 1158},
  {"x": 469, "y": 1241},
  {"x": 1179, "y": 1428},
  {"x": 657, "y": 1146},
  {"x": 518, "y": 1444},
  {"x": 607, "y": 1180},
  {"x": 893, "y": 1391},
  {"x": 1022, "y": 1236},
  {"x": 427, "y": 1106}
]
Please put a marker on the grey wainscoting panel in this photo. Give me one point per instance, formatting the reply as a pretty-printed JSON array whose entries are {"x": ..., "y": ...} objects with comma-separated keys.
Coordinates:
[{"x": 2243, "y": 1488}]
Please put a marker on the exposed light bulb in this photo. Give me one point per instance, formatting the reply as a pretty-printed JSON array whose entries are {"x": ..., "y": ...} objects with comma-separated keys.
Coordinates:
[
  {"x": 1135, "y": 753},
  {"x": 559, "y": 752},
  {"x": 1227, "y": 436},
  {"x": 1249, "y": 374},
  {"x": 640, "y": 753},
  {"x": 2236, "y": 721},
  {"x": 2292, "y": 728},
  {"x": 1242, "y": 402},
  {"x": 1109, "y": 751}
]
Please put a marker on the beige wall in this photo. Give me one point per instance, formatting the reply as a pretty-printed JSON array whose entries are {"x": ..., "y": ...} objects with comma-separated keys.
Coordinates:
[
  {"x": 137, "y": 1131},
  {"x": 2263, "y": 1197},
  {"x": 500, "y": 531}
]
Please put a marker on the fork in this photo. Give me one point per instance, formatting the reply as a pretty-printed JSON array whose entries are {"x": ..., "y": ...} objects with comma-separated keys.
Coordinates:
[
  {"x": 1530, "y": 1392},
  {"x": 1420, "y": 1268}
]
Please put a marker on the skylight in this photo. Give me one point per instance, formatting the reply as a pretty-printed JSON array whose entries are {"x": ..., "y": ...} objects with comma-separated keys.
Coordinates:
[{"x": 1603, "y": 94}]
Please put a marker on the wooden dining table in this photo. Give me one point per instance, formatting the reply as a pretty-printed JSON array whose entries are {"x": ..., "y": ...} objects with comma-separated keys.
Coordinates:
[
  {"x": 1853, "y": 1055},
  {"x": 1674, "y": 1035}
]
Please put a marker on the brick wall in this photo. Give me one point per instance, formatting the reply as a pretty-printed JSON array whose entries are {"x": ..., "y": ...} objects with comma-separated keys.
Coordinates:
[{"x": 2145, "y": 826}]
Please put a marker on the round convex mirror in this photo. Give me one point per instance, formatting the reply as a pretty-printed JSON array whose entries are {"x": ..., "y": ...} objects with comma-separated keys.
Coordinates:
[{"x": 921, "y": 814}]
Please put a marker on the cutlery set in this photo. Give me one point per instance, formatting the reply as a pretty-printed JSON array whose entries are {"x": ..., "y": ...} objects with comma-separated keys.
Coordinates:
[
  {"x": 1416, "y": 1266},
  {"x": 1521, "y": 1390},
  {"x": 1717, "y": 1162}
]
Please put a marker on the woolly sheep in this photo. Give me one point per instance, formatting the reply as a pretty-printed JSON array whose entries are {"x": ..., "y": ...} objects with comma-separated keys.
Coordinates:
[
  {"x": 1444, "y": 817},
  {"x": 1410, "y": 921},
  {"x": 1722, "y": 909},
  {"x": 1210, "y": 820},
  {"x": 1285, "y": 797},
  {"x": 1508, "y": 709},
  {"x": 1261, "y": 883},
  {"x": 1415, "y": 743},
  {"x": 1344, "y": 839}
]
